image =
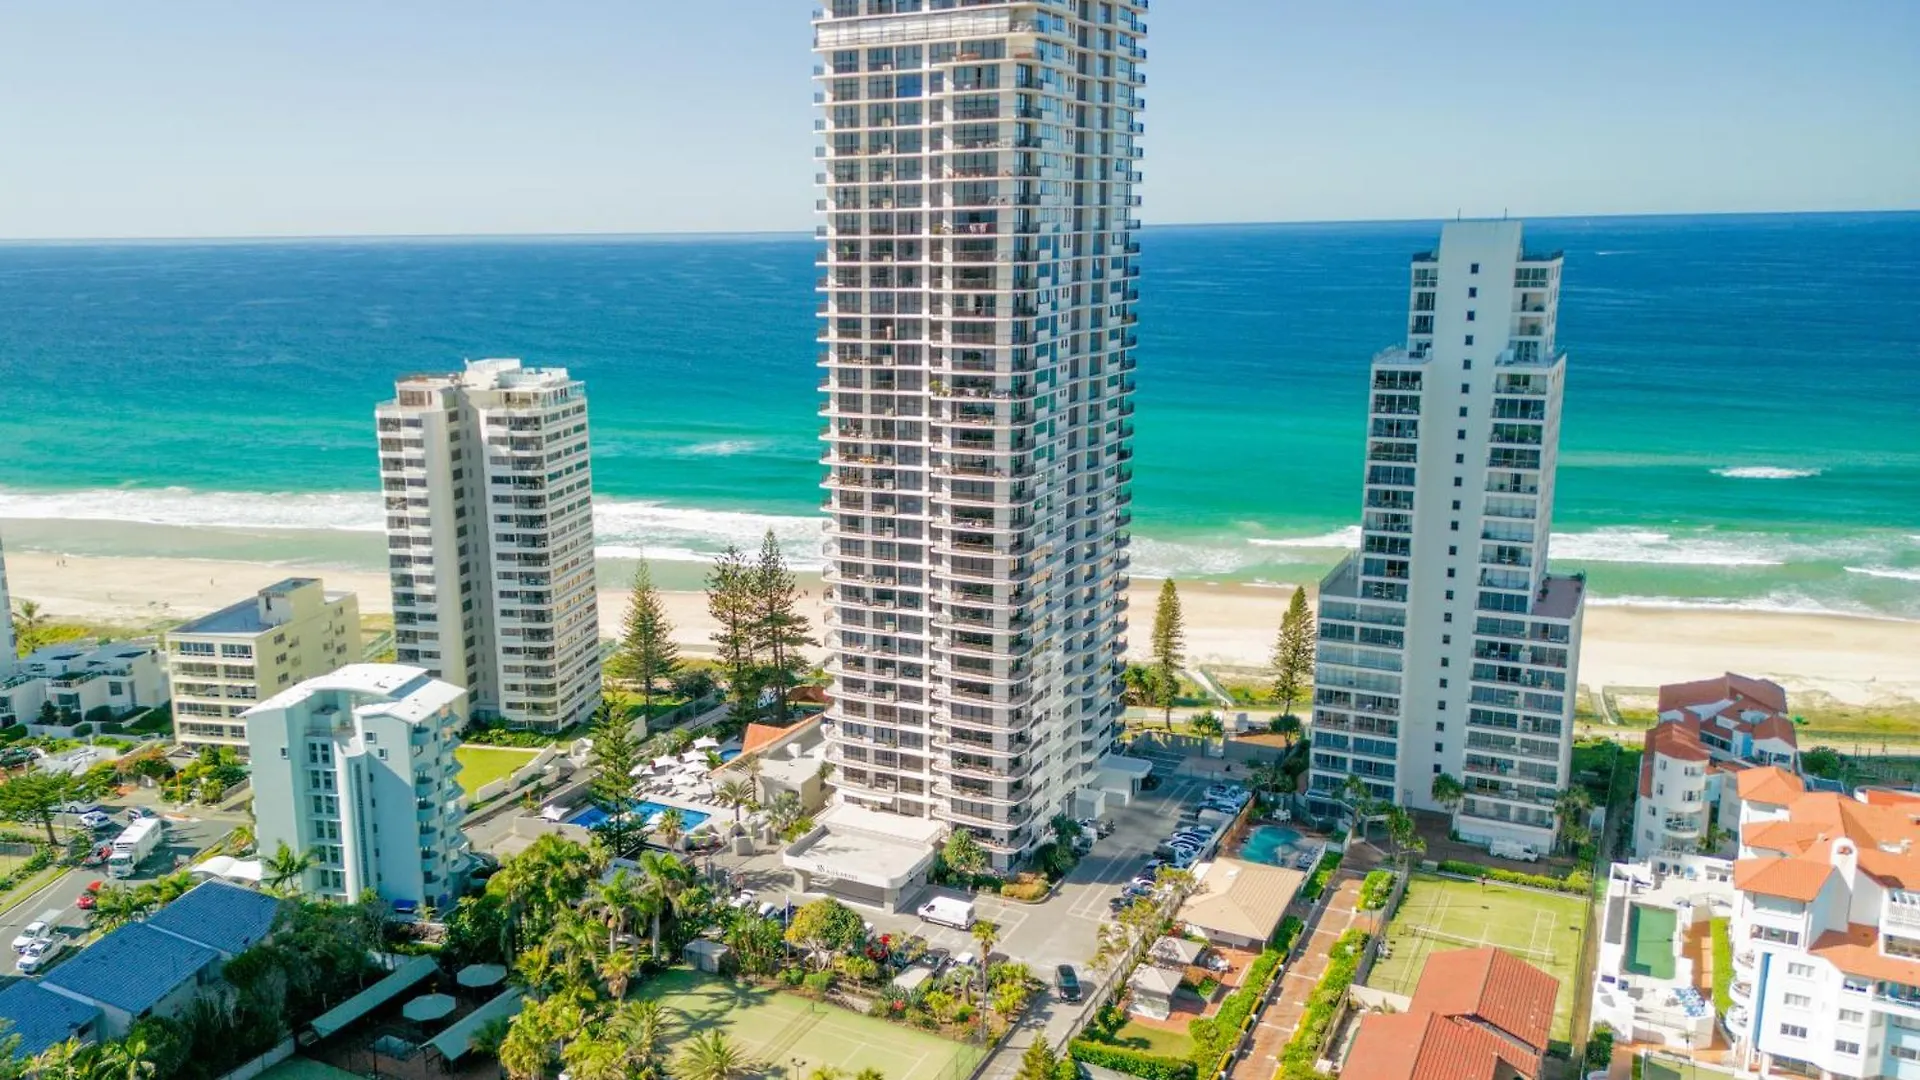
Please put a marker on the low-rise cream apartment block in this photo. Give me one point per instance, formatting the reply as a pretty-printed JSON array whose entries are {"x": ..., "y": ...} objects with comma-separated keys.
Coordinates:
[{"x": 225, "y": 663}]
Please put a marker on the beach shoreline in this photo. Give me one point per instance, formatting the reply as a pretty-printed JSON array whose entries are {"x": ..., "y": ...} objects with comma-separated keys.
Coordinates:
[{"x": 1861, "y": 661}]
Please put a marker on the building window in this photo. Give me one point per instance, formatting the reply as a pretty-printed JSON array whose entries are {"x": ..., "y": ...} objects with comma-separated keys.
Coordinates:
[
  {"x": 1798, "y": 971},
  {"x": 1439, "y": 748},
  {"x": 1460, "y": 434},
  {"x": 1469, "y": 339},
  {"x": 1473, "y": 268},
  {"x": 1793, "y": 1031},
  {"x": 1852, "y": 1016},
  {"x": 1793, "y": 1001},
  {"x": 1846, "y": 1046},
  {"x": 1470, "y": 315},
  {"x": 1473, "y": 291}
]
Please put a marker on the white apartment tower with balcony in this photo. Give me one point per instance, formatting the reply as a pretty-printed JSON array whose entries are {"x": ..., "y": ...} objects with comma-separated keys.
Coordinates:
[
  {"x": 1445, "y": 646},
  {"x": 356, "y": 767},
  {"x": 979, "y": 278},
  {"x": 489, "y": 502},
  {"x": 9, "y": 649}
]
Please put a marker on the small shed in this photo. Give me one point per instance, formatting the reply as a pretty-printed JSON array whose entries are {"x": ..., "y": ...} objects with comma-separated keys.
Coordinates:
[
  {"x": 911, "y": 979},
  {"x": 705, "y": 955},
  {"x": 1153, "y": 989},
  {"x": 1176, "y": 953}
]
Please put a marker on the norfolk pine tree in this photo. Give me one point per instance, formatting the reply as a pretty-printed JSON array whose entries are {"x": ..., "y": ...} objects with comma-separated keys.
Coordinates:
[
  {"x": 1169, "y": 638},
  {"x": 730, "y": 602},
  {"x": 1293, "y": 652},
  {"x": 614, "y": 755},
  {"x": 647, "y": 652},
  {"x": 779, "y": 629}
]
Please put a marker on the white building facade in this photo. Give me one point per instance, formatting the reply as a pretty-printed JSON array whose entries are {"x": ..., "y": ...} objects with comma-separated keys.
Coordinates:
[
  {"x": 1445, "y": 646},
  {"x": 82, "y": 681},
  {"x": 356, "y": 767},
  {"x": 224, "y": 663},
  {"x": 489, "y": 499},
  {"x": 9, "y": 648},
  {"x": 978, "y": 286}
]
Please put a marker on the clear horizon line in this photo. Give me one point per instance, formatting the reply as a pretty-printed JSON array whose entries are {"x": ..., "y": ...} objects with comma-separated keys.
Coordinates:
[{"x": 806, "y": 232}]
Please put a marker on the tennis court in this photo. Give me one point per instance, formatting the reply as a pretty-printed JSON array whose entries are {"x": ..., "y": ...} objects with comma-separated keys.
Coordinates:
[
  {"x": 786, "y": 1036},
  {"x": 1440, "y": 914}
]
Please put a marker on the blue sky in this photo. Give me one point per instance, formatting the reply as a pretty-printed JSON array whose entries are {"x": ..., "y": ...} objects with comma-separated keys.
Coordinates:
[{"x": 235, "y": 118}]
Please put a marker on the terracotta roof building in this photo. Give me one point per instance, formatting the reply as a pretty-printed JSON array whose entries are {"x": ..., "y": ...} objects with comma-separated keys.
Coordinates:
[
  {"x": 1477, "y": 1014},
  {"x": 1707, "y": 731}
]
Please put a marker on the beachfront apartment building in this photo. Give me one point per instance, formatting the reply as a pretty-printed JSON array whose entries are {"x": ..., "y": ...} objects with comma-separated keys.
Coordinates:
[
  {"x": 56, "y": 688},
  {"x": 1445, "y": 646},
  {"x": 9, "y": 648},
  {"x": 356, "y": 767},
  {"x": 224, "y": 663},
  {"x": 1825, "y": 932},
  {"x": 489, "y": 502},
  {"x": 1707, "y": 731},
  {"x": 979, "y": 175}
]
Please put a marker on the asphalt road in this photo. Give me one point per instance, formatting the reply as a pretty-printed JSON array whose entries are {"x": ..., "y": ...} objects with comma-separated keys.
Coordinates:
[{"x": 186, "y": 833}]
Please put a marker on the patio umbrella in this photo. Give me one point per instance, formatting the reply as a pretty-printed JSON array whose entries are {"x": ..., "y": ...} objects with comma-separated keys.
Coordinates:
[
  {"x": 664, "y": 763},
  {"x": 478, "y": 976},
  {"x": 693, "y": 757},
  {"x": 686, "y": 780},
  {"x": 706, "y": 742},
  {"x": 427, "y": 1007}
]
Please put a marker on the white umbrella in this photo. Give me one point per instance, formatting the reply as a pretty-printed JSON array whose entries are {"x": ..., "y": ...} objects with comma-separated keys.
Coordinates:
[
  {"x": 693, "y": 756},
  {"x": 686, "y": 780},
  {"x": 703, "y": 789},
  {"x": 706, "y": 742},
  {"x": 639, "y": 769},
  {"x": 663, "y": 763}
]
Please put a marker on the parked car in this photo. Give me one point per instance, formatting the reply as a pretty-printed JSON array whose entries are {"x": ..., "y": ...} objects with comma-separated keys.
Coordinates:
[
  {"x": 936, "y": 959},
  {"x": 1119, "y": 904},
  {"x": 96, "y": 821},
  {"x": 15, "y": 756},
  {"x": 1137, "y": 891},
  {"x": 135, "y": 813},
  {"x": 1068, "y": 982},
  {"x": 77, "y": 807},
  {"x": 35, "y": 932},
  {"x": 37, "y": 955},
  {"x": 86, "y": 900}
]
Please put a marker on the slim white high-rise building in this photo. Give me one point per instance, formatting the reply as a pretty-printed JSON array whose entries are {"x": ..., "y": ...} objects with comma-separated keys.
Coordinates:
[
  {"x": 9, "y": 649},
  {"x": 356, "y": 767},
  {"x": 1445, "y": 646},
  {"x": 489, "y": 499},
  {"x": 978, "y": 286}
]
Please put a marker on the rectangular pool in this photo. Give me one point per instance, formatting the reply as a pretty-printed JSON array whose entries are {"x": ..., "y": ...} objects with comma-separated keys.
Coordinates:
[{"x": 648, "y": 811}]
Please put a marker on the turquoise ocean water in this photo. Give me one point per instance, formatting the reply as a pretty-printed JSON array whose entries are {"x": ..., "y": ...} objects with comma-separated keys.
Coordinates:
[{"x": 1742, "y": 420}]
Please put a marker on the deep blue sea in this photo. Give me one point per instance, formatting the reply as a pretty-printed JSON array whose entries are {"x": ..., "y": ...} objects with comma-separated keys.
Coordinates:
[{"x": 1742, "y": 415}]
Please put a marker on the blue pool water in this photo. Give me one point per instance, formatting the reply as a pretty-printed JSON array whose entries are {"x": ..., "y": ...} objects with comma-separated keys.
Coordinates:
[
  {"x": 1271, "y": 844},
  {"x": 729, "y": 755},
  {"x": 591, "y": 816}
]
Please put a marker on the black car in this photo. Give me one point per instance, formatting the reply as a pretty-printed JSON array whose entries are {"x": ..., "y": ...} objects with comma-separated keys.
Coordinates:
[
  {"x": 1149, "y": 782},
  {"x": 1068, "y": 982}
]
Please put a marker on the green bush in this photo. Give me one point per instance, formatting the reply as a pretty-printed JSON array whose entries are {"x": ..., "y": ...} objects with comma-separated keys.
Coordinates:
[
  {"x": 818, "y": 981},
  {"x": 1375, "y": 890},
  {"x": 1132, "y": 1062},
  {"x": 1214, "y": 1036},
  {"x": 792, "y": 976},
  {"x": 1577, "y": 881},
  {"x": 1287, "y": 934},
  {"x": 1298, "y": 1057},
  {"x": 1600, "y": 1047},
  {"x": 1031, "y": 891},
  {"x": 1317, "y": 884}
]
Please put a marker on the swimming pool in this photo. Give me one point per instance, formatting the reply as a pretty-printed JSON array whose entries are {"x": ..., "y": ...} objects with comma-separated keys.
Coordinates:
[
  {"x": 1274, "y": 845},
  {"x": 648, "y": 811}
]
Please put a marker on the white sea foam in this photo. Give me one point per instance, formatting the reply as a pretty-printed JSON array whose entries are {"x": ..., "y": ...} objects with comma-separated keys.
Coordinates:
[
  {"x": 1625, "y": 545},
  {"x": 349, "y": 511},
  {"x": 722, "y": 448},
  {"x": 1764, "y": 472},
  {"x": 1885, "y": 572},
  {"x": 1348, "y": 537}
]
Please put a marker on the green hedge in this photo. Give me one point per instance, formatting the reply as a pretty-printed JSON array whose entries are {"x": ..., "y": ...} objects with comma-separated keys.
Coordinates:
[
  {"x": 1375, "y": 890},
  {"x": 1722, "y": 965},
  {"x": 1288, "y": 933},
  {"x": 1296, "y": 1061},
  {"x": 1578, "y": 881},
  {"x": 1317, "y": 884},
  {"x": 1214, "y": 1036},
  {"x": 1132, "y": 1062}
]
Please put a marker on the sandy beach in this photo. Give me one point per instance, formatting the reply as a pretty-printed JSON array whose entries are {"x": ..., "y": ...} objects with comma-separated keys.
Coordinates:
[{"x": 1857, "y": 661}]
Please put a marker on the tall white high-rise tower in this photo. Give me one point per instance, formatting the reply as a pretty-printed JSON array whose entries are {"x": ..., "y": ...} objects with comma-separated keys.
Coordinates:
[
  {"x": 1445, "y": 646},
  {"x": 8, "y": 647},
  {"x": 977, "y": 337},
  {"x": 489, "y": 497}
]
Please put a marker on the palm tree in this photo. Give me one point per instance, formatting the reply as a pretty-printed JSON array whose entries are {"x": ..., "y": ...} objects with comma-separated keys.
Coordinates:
[
  {"x": 285, "y": 870},
  {"x": 617, "y": 969},
  {"x": 871, "y": 1073},
  {"x": 591, "y": 1056},
  {"x": 615, "y": 902},
  {"x": 1571, "y": 808},
  {"x": 131, "y": 1058},
  {"x": 29, "y": 625},
  {"x": 672, "y": 826},
  {"x": 1355, "y": 793},
  {"x": 641, "y": 1025},
  {"x": 575, "y": 942},
  {"x": 240, "y": 840},
  {"x": 710, "y": 1056},
  {"x": 736, "y": 793},
  {"x": 1447, "y": 790},
  {"x": 664, "y": 882}
]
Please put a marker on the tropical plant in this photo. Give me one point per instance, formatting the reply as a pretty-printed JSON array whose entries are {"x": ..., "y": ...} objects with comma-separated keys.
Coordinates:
[
  {"x": 614, "y": 757},
  {"x": 1404, "y": 835},
  {"x": 1207, "y": 725},
  {"x": 824, "y": 927},
  {"x": 780, "y": 630},
  {"x": 1169, "y": 641},
  {"x": 1139, "y": 685},
  {"x": 672, "y": 825},
  {"x": 664, "y": 883},
  {"x": 34, "y": 798},
  {"x": 1570, "y": 810},
  {"x": 616, "y": 901},
  {"x": 29, "y": 625},
  {"x": 647, "y": 653},
  {"x": 735, "y": 793},
  {"x": 641, "y": 1027},
  {"x": 710, "y": 1055},
  {"x": 962, "y": 852},
  {"x": 285, "y": 871},
  {"x": 1039, "y": 1062},
  {"x": 1447, "y": 790},
  {"x": 1287, "y": 726},
  {"x": 730, "y": 602},
  {"x": 1293, "y": 653}
]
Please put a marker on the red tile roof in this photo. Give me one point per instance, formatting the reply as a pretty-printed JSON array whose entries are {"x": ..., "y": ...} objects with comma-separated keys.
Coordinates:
[
  {"x": 1744, "y": 691},
  {"x": 1771, "y": 784},
  {"x": 1473, "y": 1010}
]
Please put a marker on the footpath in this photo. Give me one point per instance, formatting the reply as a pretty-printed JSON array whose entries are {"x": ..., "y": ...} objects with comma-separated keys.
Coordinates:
[{"x": 1274, "y": 1029}]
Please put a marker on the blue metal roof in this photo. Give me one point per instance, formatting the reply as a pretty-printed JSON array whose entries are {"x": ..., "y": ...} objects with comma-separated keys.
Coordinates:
[
  {"x": 40, "y": 1017},
  {"x": 224, "y": 917},
  {"x": 132, "y": 968}
]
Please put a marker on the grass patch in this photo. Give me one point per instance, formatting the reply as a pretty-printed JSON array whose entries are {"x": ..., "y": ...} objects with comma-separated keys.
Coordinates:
[
  {"x": 482, "y": 765},
  {"x": 1440, "y": 914},
  {"x": 1137, "y": 1036},
  {"x": 1722, "y": 966},
  {"x": 774, "y": 1030}
]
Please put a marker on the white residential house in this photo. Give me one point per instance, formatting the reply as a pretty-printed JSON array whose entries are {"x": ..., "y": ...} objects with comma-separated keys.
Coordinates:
[
  {"x": 489, "y": 500},
  {"x": 978, "y": 281},
  {"x": 1708, "y": 732},
  {"x": 82, "y": 681},
  {"x": 1445, "y": 646},
  {"x": 224, "y": 663},
  {"x": 357, "y": 767}
]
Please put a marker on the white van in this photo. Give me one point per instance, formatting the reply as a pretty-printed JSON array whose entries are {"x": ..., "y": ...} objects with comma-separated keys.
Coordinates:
[{"x": 948, "y": 911}]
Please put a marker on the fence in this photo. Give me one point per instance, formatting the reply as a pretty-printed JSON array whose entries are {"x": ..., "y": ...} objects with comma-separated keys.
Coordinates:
[{"x": 261, "y": 1064}]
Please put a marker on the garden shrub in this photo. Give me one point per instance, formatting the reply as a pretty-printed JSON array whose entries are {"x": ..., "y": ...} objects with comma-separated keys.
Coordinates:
[
  {"x": 1577, "y": 881},
  {"x": 1375, "y": 890},
  {"x": 1322, "y": 1005},
  {"x": 1213, "y": 1037},
  {"x": 1132, "y": 1062},
  {"x": 1317, "y": 884},
  {"x": 818, "y": 981},
  {"x": 792, "y": 976},
  {"x": 1032, "y": 890}
]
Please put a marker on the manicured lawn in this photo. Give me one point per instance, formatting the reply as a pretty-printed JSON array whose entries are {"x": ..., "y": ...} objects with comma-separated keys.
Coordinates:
[
  {"x": 482, "y": 765},
  {"x": 1153, "y": 1040},
  {"x": 1442, "y": 914},
  {"x": 787, "y": 1036}
]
